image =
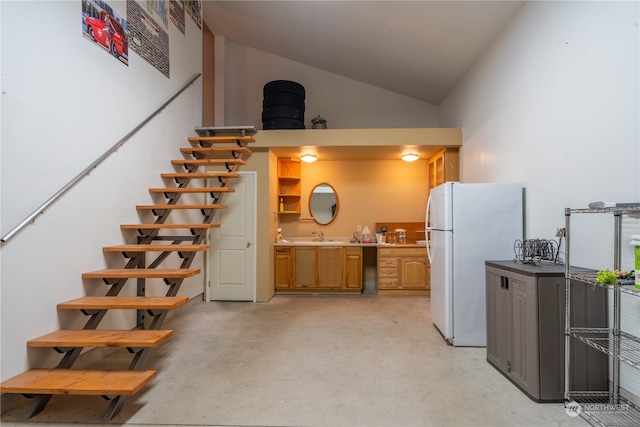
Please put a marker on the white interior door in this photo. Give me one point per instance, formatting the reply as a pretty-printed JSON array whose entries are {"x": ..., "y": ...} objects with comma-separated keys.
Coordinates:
[{"x": 232, "y": 255}]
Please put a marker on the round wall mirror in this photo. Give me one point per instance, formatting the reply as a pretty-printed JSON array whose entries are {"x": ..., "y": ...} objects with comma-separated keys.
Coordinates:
[{"x": 323, "y": 203}]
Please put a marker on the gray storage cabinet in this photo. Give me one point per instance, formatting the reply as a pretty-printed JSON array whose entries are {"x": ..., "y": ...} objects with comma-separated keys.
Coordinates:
[{"x": 525, "y": 329}]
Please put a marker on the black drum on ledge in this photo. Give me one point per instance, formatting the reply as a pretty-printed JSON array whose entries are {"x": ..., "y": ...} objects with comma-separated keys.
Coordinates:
[{"x": 283, "y": 105}]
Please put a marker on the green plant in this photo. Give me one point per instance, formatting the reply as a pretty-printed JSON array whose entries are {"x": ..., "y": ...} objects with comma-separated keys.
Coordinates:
[{"x": 606, "y": 277}]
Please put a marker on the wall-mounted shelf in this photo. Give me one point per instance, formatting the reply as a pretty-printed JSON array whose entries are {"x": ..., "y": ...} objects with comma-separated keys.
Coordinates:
[{"x": 289, "y": 186}]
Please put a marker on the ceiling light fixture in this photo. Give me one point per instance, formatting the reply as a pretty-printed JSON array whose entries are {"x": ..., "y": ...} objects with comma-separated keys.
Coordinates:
[
  {"x": 410, "y": 157},
  {"x": 309, "y": 158}
]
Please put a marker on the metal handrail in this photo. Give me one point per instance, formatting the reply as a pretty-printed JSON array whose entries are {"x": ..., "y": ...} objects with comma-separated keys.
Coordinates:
[{"x": 88, "y": 169}]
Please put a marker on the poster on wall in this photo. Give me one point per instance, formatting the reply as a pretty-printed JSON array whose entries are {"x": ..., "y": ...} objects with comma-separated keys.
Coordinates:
[
  {"x": 194, "y": 9},
  {"x": 148, "y": 39},
  {"x": 157, "y": 10},
  {"x": 105, "y": 28},
  {"x": 176, "y": 8}
]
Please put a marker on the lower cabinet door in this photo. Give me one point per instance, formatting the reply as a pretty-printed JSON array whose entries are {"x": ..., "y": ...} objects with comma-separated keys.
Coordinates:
[
  {"x": 414, "y": 273},
  {"x": 305, "y": 268},
  {"x": 283, "y": 268},
  {"x": 330, "y": 267},
  {"x": 524, "y": 332},
  {"x": 498, "y": 320},
  {"x": 353, "y": 268},
  {"x": 512, "y": 328}
]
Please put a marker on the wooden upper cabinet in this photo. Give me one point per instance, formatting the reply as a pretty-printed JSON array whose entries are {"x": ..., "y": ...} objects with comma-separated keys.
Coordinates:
[{"x": 444, "y": 166}]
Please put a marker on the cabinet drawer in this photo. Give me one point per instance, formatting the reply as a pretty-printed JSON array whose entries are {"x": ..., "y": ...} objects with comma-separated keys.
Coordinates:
[
  {"x": 400, "y": 252},
  {"x": 388, "y": 272},
  {"x": 388, "y": 282},
  {"x": 388, "y": 262}
]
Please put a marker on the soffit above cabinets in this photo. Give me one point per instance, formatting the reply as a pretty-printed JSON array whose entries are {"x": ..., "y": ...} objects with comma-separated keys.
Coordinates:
[{"x": 357, "y": 144}]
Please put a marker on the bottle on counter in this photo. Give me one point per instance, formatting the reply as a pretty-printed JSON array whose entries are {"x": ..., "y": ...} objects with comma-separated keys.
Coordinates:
[
  {"x": 402, "y": 235},
  {"x": 279, "y": 235},
  {"x": 366, "y": 235}
]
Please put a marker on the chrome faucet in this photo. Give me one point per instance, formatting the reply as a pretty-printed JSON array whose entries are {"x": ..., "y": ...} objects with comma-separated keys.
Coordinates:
[{"x": 320, "y": 235}]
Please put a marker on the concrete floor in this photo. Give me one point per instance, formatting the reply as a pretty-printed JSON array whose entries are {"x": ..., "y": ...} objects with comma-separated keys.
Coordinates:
[{"x": 310, "y": 361}]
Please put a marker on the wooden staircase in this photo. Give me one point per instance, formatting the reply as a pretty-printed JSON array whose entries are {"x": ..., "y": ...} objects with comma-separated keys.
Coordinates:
[{"x": 214, "y": 147}]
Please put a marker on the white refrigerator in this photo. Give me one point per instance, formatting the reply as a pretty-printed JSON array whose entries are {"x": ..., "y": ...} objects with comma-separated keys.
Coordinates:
[{"x": 468, "y": 224}]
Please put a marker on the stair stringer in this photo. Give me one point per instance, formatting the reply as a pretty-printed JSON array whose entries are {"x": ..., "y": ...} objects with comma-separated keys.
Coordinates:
[{"x": 137, "y": 260}]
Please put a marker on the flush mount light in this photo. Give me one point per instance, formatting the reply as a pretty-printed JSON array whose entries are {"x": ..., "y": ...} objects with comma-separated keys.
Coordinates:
[
  {"x": 309, "y": 158},
  {"x": 410, "y": 157}
]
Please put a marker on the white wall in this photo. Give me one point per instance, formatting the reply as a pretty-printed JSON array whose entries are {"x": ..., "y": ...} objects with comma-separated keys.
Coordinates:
[
  {"x": 344, "y": 103},
  {"x": 554, "y": 104},
  {"x": 64, "y": 103}
]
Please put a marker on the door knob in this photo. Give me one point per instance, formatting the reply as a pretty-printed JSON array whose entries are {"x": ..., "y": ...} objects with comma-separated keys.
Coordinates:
[{"x": 249, "y": 244}]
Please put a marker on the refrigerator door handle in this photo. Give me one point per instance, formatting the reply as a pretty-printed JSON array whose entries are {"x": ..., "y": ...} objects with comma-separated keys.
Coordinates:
[{"x": 427, "y": 229}]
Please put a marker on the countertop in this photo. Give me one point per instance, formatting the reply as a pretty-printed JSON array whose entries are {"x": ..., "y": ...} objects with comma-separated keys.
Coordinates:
[
  {"x": 336, "y": 244},
  {"x": 543, "y": 268}
]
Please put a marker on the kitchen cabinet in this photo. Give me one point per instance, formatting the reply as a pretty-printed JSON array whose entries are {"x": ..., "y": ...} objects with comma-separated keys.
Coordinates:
[
  {"x": 330, "y": 264},
  {"x": 403, "y": 271},
  {"x": 304, "y": 267},
  {"x": 353, "y": 268},
  {"x": 318, "y": 269},
  {"x": 283, "y": 268},
  {"x": 444, "y": 167},
  {"x": 607, "y": 405},
  {"x": 289, "y": 186},
  {"x": 525, "y": 328}
]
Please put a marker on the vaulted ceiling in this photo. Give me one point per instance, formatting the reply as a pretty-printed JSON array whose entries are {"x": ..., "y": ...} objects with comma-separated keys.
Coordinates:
[{"x": 420, "y": 49}]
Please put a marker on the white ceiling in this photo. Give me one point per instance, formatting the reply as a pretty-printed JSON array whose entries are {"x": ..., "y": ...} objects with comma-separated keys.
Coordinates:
[{"x": 420, "y": 49}]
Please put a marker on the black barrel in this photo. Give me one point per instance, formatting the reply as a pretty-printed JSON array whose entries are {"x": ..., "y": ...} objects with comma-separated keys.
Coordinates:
[{"x": 283, "y": 105}]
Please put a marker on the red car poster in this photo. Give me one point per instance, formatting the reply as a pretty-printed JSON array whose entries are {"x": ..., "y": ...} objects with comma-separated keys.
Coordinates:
[{"x": 105, "y": 28}]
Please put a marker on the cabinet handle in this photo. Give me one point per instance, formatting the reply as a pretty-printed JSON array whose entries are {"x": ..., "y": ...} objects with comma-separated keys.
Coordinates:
[{"x": 504, "y": 282}]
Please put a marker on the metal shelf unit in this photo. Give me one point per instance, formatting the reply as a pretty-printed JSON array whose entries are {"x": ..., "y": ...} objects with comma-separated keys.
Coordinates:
[{"x": 608, "y": 407}]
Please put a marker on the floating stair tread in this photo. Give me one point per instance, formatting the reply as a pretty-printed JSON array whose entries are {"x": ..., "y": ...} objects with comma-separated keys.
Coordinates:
[
  {"x": 78, "y": 382},
  {"x": 203, "y": 175},
  {"x": 163, "y": 207},
  {"x": 123, "y": 303},
  {"x": 165, "y": 226},
  {"x": 215, "y": 150},
  {"x": 220, "y": 139},
  {"x": 156, "y": 248},
  {"x": 142, "y": 273},
  {"x": 101, "y": 338},
  {"x": 193, "y": 190},
  {"x": 208, "y": 162}
]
